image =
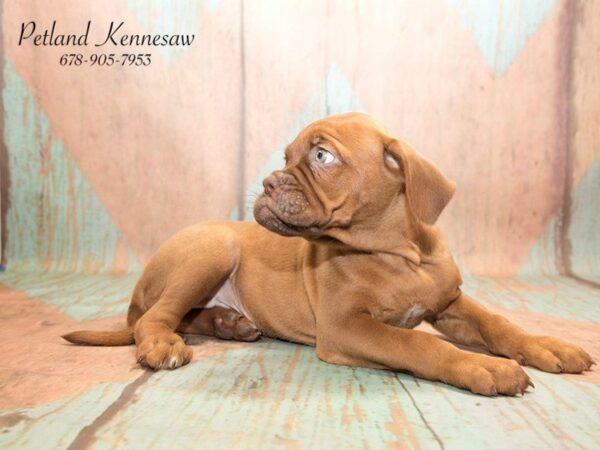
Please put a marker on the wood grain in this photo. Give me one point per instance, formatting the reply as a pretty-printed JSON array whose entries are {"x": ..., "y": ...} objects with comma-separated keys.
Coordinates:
[{"x": 103, "y": 164}]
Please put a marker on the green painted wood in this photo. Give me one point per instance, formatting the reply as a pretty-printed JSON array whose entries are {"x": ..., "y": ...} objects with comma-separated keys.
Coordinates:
[
  {"x": 56, "y": 424},
  {"x": 584, "y": 230},
  {"x": 273, "y": 394},
  {"x": 55, "y": 219},
  {"x": 552, "y": 295},
  {"x": 82, "y": 296}
]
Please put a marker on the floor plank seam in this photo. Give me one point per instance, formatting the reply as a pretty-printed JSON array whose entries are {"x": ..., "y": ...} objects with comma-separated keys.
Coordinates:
[
  {"x": 86, "y": 436},
  {"x": 425, "y": 422}
]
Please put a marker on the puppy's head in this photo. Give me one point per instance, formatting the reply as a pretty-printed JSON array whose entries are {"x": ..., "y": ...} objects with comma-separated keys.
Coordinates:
[{"x": 344, "y": 174}]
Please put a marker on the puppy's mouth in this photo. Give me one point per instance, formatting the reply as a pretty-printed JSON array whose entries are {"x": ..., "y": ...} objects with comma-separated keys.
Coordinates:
[{"x": 269, "y": 218}]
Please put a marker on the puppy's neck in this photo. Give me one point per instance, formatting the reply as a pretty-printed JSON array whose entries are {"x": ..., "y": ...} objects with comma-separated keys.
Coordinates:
[{"x": 413, "y": 243}]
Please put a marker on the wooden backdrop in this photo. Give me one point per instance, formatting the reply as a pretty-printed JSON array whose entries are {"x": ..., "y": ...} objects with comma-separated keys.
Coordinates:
[{"x": 101, "y": 164}]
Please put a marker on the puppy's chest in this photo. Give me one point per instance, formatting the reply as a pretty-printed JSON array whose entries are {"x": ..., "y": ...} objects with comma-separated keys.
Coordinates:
[
  {"x": 407, "y": 315},
  {"x": 409, "y": 318},
  {"x": 407, "y": 308}
]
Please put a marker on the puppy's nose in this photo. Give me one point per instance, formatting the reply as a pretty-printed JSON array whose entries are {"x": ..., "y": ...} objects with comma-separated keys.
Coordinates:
[{"x": 269, "y": 183}]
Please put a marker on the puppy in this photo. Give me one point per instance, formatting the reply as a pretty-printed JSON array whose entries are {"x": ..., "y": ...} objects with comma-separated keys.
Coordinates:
[{"x": 345, "y": 257}]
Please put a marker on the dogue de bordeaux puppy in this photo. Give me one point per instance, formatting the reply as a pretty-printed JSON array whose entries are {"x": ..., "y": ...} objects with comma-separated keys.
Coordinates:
[{"x": 345, "y": 257}]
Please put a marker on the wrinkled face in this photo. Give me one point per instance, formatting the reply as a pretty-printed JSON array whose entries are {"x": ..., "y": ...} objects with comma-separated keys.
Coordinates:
[{"x": 337, "y": 174}]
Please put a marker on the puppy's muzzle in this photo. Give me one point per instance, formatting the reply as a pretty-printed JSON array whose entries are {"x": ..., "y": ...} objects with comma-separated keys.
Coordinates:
[
  {"x": 284, "y": 207},
  {"x": 287, "y": 197},
  {"x": 277, "y": 179}
]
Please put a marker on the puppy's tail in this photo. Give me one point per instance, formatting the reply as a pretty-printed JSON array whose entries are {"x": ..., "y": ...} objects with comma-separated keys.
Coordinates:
[{"x": 103, "y": 338}]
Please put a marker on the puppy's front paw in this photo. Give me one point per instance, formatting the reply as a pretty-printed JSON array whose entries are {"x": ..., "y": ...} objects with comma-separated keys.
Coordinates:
[
  {"x": 164, "y": 351},
  {"x": 487, "y": 375},
  {"x": 552, "y": 355}
]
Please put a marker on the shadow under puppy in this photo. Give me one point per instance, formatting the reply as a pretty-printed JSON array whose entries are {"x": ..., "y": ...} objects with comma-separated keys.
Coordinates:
[{"x": 345, "y": 257}]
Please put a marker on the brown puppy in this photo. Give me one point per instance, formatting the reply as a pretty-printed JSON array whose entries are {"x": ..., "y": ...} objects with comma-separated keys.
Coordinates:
[{"x": 347, "y": 259}]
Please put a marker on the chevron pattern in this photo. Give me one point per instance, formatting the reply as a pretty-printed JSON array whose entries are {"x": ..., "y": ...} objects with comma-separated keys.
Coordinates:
[
  {"x": 502, "y": 28},
  {"x": 103, "y": 164}
]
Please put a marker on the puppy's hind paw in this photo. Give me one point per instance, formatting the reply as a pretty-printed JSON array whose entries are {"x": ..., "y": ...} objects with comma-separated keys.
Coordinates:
[
  {"x": 246, "y": 331},
  {"x": 233, "y": 325}
]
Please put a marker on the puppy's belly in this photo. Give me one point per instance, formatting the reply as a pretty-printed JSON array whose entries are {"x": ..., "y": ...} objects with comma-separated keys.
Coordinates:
[{"x": 226, "y": 297}]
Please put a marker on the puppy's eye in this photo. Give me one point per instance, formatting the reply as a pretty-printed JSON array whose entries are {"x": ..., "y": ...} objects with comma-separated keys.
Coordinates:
[{"x": 324, "y": 156}]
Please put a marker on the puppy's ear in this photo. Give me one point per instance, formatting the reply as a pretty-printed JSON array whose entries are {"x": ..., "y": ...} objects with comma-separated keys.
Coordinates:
[{"x": 427, "y": 190}]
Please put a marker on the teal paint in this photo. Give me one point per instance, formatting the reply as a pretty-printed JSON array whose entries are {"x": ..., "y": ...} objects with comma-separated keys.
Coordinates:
[
  {"x": 557, "y": 414},
  {"x": 338, "y": 95},
  {"x": 583, "y": 233},
  {"x": 542, "y": 257},
  {"x": 56, "y": 424},
  {"x": 555, "y": 296},
  {"x": 26, "y": 132},
  {"x": 273, "y": 394},
  {"x": 267, "y": 395},
  {"x": 501, "y": 28},
  {"x": 81, "y": 296},
  {"x": 213, "y": 5},
  {"x": 55, "y": 220},
  {"x": 584, "y": 226},
  {"x": 335, "y": 96},
  {"x": 169, "y": 17},
  {"x": 55, "y": 223}
]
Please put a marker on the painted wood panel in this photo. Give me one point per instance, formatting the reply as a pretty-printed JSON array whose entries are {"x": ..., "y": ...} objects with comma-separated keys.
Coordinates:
[
  {"x": 273, "y": 394},
  {"x": 388, "y": 59},
  {"x": 582, "y": 231},
  {"x": 101, "y": 165},
  {"x": 488, "y": 92},
  {"x": 155, "y": 143}
]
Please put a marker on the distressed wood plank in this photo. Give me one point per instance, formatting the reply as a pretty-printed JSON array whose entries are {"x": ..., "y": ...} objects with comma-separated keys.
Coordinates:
[
  {"x": 54, "y": 219},
  {"x": 56, "y": 424},
  {"x": 272, "y": 394},
  {"x": 553, "y": 295},
  {"x": 39, "y": 366},
  {"x": 582, "y": 212},
  {"x": 82, "y": 296},
  {"x": 154, "y": 142}
]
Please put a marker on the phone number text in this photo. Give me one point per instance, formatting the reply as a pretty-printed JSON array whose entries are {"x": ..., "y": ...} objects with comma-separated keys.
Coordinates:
[{"x": 106, "y": 59}]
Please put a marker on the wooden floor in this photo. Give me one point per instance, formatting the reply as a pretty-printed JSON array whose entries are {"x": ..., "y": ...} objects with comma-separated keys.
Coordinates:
[{"x": 272, "y": 394}]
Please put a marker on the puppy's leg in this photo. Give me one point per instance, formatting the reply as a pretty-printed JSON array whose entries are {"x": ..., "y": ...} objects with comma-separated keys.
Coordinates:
[
  {"x": 192, "y": 282},
  {"x": 358, "y": 339},
  {"x": 220, "y": 322},
  {"x": 467, "y": 322}
]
